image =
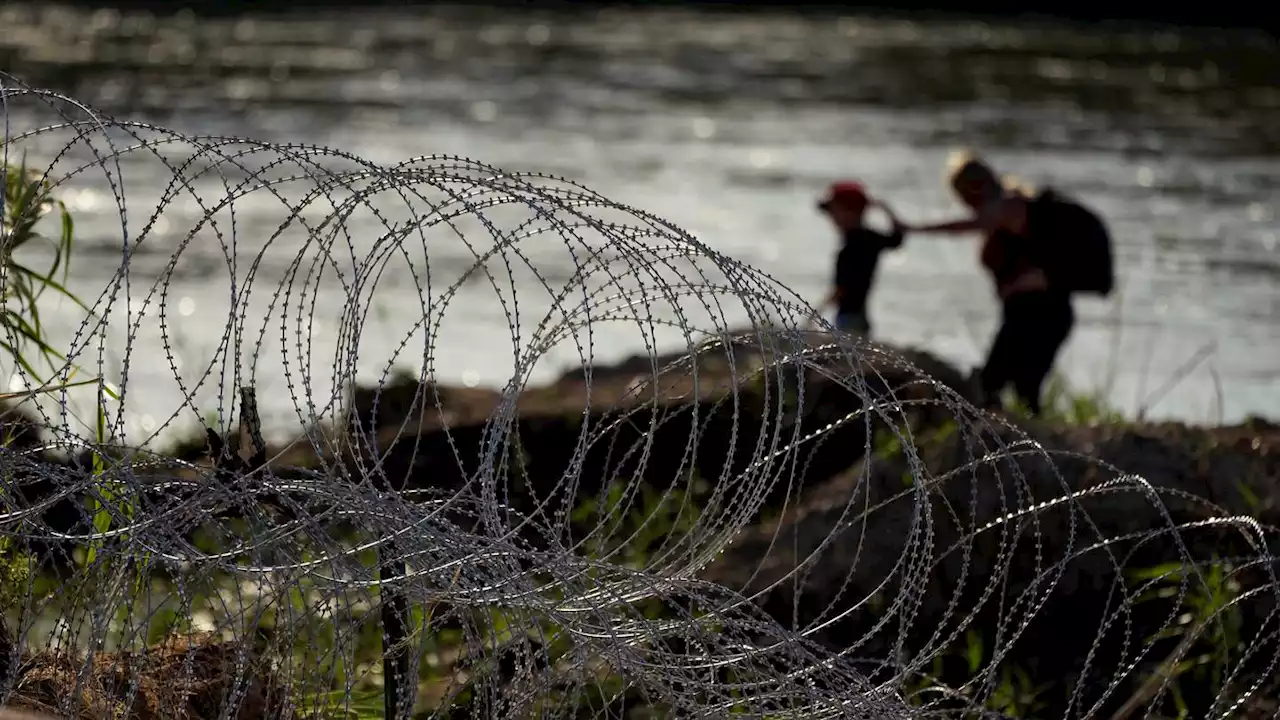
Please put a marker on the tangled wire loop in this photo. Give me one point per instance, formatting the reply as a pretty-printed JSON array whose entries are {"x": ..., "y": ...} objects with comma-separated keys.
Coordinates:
[{"x": 771, "y": 522}]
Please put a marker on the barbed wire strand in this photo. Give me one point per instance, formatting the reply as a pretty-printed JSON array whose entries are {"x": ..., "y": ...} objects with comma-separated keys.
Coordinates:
[{"x": 764, "y": 521}]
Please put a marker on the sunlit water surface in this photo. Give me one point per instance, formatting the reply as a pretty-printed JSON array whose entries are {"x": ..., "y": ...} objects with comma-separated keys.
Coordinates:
[{"x": 726, "y": 125}]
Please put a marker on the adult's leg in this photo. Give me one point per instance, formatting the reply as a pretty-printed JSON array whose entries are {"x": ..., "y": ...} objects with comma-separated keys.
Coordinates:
[
  {"x": 1001, "y": 357},
  {"x": 855, "y": 323},
  {"x": 1048, "y": 324}
]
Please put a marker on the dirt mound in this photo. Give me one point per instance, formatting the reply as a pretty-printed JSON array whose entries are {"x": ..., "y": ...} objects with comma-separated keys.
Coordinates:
[
  {"x": 970, "y": 528},
  {"x": 181, "y": 677},
  {"x": 715, "y": 417}
]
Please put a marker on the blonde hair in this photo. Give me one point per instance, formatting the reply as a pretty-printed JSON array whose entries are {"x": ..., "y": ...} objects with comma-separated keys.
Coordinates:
[
  {"x": 964, "y": 166},
  {"x": 1017, "y": 186}
]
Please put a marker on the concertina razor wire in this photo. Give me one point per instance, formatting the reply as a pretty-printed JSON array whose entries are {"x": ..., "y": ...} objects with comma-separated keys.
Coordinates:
[{"x": 775, "y": 521}]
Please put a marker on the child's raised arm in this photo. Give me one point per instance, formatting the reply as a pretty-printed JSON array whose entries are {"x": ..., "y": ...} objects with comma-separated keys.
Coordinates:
[{"x": 897, "y": 229}]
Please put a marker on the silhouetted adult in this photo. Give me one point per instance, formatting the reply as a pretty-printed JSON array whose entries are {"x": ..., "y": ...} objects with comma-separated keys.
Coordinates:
[{"x": 1039, "y": 249}]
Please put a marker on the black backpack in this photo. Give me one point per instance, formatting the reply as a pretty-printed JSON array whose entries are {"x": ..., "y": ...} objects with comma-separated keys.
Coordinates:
[{"x": 1073, "y": 244}]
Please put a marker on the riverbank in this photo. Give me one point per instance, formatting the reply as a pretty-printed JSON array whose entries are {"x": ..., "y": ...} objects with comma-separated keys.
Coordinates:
[{"x": 866, "y": 507}]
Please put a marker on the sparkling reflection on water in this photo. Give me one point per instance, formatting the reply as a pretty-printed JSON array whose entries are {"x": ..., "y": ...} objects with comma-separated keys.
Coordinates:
[{"x": 728, "y": 125}]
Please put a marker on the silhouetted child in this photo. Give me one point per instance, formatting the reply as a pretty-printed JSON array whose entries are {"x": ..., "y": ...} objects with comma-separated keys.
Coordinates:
[{"x": 846, "y": 203}]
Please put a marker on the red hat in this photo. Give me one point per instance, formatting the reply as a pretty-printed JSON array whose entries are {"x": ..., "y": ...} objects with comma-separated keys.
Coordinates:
[{"x": 843, "y": 192}]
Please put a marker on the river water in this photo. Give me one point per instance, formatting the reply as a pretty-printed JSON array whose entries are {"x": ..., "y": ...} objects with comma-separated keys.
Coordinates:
[{"x": 726, "y": 125}]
